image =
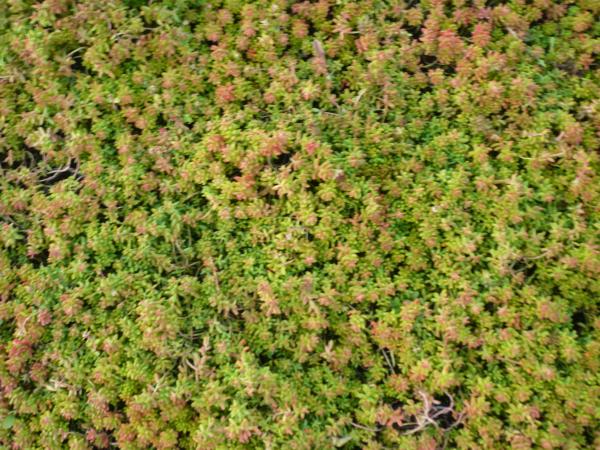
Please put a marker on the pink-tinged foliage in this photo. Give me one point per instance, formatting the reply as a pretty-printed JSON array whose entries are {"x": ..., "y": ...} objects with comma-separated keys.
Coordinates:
[{"x": 299, "y": 224}]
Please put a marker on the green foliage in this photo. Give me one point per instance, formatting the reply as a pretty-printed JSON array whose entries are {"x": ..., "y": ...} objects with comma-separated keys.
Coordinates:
[{"x": 299, "y": 225}]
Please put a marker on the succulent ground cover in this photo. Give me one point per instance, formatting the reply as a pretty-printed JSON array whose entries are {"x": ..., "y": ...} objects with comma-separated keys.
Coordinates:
[{"x": 299, "y": 225}]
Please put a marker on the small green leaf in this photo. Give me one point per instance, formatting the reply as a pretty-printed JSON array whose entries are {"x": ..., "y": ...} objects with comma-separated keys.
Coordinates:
[
  {"x": 341, "y": 441},
  {"x": 8, "y": 422}
]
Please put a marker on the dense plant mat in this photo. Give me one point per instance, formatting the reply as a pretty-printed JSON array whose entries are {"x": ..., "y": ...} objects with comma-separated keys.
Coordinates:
[{"x": 299, "y": 225}]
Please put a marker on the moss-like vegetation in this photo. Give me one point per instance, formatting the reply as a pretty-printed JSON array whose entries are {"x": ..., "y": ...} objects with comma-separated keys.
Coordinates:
[{"x": 236, "y": 224}]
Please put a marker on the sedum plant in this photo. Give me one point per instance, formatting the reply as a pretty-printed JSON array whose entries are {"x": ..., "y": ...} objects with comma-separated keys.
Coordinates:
[{"x": 365, "y": 224}]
